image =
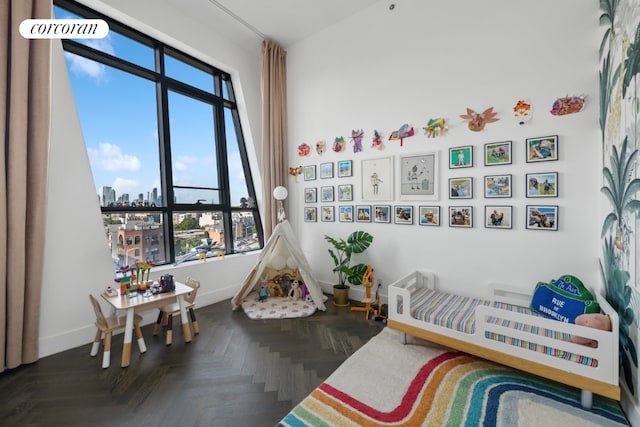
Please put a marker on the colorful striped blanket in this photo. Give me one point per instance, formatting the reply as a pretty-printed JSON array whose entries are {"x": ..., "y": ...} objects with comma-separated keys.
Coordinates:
[
  {"x": 387, "y": 384},
  {"x": 458, "y": 312}
]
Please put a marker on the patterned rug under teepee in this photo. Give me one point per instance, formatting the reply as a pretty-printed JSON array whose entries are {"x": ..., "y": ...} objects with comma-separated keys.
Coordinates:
[
  {"x": 276, "y": 307},
  {"x": 421, "y": 384}
]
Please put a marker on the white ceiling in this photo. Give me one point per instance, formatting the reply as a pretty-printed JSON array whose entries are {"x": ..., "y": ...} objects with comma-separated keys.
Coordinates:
[{"x": 286, "y": 22}]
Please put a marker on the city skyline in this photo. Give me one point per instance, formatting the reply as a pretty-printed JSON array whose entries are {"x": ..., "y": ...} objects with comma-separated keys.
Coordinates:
[{"x": 121, "y": 131}]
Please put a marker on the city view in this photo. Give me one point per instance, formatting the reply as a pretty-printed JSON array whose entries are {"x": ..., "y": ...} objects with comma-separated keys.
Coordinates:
[{"x": 196, "y": 150}]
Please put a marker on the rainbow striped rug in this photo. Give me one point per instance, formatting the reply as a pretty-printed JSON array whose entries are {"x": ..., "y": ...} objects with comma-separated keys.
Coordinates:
[{"x": 420, "y": 384}]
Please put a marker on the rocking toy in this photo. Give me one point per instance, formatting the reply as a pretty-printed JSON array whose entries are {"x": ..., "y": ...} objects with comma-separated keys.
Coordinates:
[{"x": 367, "y": 282}]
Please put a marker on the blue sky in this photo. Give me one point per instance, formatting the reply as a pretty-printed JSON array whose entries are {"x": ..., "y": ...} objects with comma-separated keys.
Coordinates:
[{"x": 118, "y": 116}]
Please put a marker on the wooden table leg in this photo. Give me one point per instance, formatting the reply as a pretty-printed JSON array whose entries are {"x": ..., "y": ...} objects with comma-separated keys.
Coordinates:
[
  {"x": 186, "y": 329},
  {"x": 128, "y": 335}
]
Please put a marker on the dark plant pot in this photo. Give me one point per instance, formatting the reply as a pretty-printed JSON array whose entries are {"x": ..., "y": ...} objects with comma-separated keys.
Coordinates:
[{"x": 340, "y": 295}]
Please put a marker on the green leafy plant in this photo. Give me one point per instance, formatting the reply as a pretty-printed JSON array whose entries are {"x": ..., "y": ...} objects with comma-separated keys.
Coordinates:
[
  {"x": 356, "y": 243},
  {"x": 619, "y": 296},
  {"x": 621, "y": 190},
  {"x": 631, "y": 63}
]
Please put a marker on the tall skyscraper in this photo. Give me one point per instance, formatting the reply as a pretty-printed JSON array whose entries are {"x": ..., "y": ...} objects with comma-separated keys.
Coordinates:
[{"x": 108, "y": 195}]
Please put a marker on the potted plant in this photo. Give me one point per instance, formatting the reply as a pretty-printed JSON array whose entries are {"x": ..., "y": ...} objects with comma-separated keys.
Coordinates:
[{"x": 356, "y": 243}]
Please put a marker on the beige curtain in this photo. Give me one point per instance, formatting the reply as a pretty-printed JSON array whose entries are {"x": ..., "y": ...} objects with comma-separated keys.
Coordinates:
[
  {"x": 24, "y": 135},
  {"x": 274, "y": 128}
]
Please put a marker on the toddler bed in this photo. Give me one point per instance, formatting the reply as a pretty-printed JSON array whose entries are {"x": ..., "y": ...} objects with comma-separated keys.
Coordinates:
[{"x": 505, "y": 330}]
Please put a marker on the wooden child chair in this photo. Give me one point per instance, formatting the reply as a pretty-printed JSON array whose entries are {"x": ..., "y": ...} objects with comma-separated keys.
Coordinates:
[
  {"x": 108, "y": 325},
  {"x": 165, "y": 316}
]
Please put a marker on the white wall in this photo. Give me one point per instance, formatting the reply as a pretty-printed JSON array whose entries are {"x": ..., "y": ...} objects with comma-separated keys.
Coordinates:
[
  {"x": 381, "y": 69},
  {"x": 77, "y": 261},
  {"x": 376, "y": 70}
]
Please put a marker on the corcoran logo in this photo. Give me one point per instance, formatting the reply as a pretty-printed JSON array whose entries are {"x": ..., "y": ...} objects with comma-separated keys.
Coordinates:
[{"x": 63, "y": 28}]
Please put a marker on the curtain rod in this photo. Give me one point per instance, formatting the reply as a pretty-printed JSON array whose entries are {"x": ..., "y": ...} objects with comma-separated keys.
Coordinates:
[{"x": 237, "y": 18}]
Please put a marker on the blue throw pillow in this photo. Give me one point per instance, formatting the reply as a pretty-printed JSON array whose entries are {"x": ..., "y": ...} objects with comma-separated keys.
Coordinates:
[{"x": 563, "y": 299}]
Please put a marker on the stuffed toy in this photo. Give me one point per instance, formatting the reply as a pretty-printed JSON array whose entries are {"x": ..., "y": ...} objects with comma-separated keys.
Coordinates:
[
  {"x": 275, "y": 289},
  {"x": 263, "y": 293},
  {"x": 592, "y": 320},
  {"x": 294, "y": 291}
]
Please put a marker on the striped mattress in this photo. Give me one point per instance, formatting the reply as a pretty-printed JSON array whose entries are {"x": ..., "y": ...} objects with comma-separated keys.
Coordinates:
[{"x": 458, "y": 313}]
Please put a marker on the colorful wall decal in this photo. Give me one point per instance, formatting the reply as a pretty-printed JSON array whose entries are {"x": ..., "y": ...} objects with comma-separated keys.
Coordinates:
[
  {"x": 294, "y": 172},
  {"x": 567, "y": 105},
  {"x": 321, "y": 146},
  {"x": 477, "y": 121},
  {"x": 338, "y": 144},
  {"x": 304, "y": 150},
  {"x": 436, "y": 127},
  {"x": 376, "y": 142},
  {"x": 405, "y": 131},
  {"x": 522, "y": 112},
  {"x": 356, "y": 136}
]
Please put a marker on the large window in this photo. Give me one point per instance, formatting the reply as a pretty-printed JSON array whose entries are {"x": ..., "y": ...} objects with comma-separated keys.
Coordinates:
[{"x": 164, "y": 140}]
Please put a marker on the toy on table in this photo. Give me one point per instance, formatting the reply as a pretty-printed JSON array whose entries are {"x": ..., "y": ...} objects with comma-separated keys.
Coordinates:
[
  {"x": 263, "y": 293},
  {"x": 592, "y": 320}
]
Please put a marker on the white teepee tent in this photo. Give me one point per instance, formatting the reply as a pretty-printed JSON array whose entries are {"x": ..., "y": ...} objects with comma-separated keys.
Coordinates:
[{"x": 281, "y": 251}]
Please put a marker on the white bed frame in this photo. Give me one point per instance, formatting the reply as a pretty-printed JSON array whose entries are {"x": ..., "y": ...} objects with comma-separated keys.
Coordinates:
[{"x": 602, "y": 380}]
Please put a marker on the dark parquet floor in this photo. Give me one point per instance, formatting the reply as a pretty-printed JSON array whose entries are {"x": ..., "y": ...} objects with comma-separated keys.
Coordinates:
[{"x": 237, "y": 372}]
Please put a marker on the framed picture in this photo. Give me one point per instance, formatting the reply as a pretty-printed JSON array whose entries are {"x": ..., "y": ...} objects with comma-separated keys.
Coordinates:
[
  {"x": 460, "y": 188},
  {"x": 363, "y": 213},
  {"x": 497, "y": 186},
  {"x": 429, "y": 215},
  {"x": 542, "y": 149},
  {"x": 309, "y": 172},
  {"x": 498, "y": 216},
  {"x": 327, "y": 213},
  {"x": 310, "y": 214},
  {"x": 346, "y": 213},
  {"x": 326, "y": 194},
  {"x": 542, "y": 184},
  {"x": 419, "y": 177},
  {"x": 542, "y": 217},
  {"x": 377, "y": 179},
  {"x": 310, "y": 195},
  {"x": 461, "y": 157},
  {"x": 382, "y": 213},
  {"x": 497, "y": 153},
  {"x": 345, "y": 192},
  {"x": 403, "y": 215},
  {"x": 461, "y": 216},
  {"x": 326, "y": 170},
  {"x": 345, "y": 168}
]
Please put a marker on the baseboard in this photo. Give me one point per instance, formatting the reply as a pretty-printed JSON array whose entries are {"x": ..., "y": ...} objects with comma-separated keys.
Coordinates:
[
  {"x": 84, "y": 335},
  {"x": 356, "y": 293}
]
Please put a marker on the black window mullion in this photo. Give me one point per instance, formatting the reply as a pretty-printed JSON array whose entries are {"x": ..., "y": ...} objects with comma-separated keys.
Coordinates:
[
  {"x": 164, "y": 141},
  {"x": 164, "y": 85},
  {"x": 112, "y": 61},
  {"x": 223, "y": 175}
]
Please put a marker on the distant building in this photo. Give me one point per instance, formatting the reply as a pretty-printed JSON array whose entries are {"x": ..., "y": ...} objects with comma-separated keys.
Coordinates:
[{"x": 137, "y": 240}]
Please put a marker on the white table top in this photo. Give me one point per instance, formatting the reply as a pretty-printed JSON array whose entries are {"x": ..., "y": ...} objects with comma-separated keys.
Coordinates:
[{"x": 124, "y": 302}]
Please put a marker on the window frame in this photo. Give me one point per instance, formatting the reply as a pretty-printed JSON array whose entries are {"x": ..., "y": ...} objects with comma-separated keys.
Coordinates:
[{"x": 222, "y": 82}]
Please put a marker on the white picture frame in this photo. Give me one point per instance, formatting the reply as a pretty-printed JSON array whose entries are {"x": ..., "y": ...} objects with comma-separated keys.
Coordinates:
[
  {"x": 419, "y": 176},
  {"x": 377, "y": 179}
]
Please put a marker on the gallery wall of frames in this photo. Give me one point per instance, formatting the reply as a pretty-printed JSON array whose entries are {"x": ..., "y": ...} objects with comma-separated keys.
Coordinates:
[{"x": 416, "y": 193}]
